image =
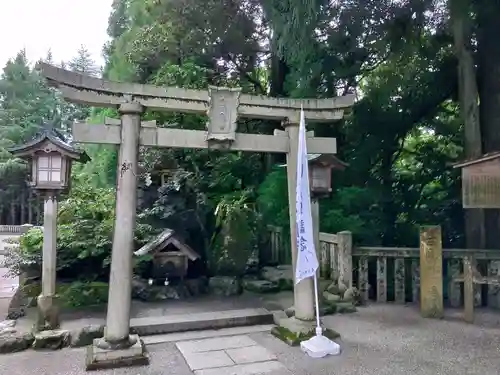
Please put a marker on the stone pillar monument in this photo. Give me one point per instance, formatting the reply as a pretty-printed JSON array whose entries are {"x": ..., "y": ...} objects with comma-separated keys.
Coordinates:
[
  {"x": 431, "y": 272},
  {"x": 118, "y": 347},
  {"x": 48, "y": 311}
]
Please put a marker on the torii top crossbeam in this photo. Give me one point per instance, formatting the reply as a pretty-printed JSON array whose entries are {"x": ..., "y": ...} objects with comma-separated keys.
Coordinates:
[{"x": 98, "y": 92}]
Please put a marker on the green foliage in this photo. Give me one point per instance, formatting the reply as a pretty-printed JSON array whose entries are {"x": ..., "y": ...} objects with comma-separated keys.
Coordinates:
[
  {"x": 84, "y": 235},
  {"x": 80, "y": 294},
  {"x": 74, "y": 295},
  {"x": 273, "y": 198}
]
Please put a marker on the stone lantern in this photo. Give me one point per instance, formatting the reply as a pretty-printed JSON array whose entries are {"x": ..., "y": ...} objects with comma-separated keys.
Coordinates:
[{"x": 50, "y": 157}]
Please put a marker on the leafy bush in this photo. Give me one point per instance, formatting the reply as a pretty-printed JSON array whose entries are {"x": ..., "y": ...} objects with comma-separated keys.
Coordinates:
[
  {"x": 79, "y": 294},
  {"x": 75, "y": 294},
  {"x": 84, "y": 236}
]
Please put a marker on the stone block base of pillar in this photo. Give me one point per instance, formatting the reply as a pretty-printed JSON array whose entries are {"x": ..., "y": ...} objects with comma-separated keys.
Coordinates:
[
  {"x": 48, "y": 313},
  {"x": 101, "y": 355},
  {"x": 293, "y": 331}
]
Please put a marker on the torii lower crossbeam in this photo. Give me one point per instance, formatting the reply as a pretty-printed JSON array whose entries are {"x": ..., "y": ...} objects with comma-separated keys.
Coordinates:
[{"x": 152, "y": 136}]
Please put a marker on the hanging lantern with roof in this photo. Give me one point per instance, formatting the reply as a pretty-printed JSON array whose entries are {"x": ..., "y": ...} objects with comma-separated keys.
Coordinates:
[{"x": 50, "y": 156}]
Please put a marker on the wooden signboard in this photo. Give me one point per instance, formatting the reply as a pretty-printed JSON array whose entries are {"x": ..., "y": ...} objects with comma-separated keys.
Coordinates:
[{"x": 481, "y": 182}]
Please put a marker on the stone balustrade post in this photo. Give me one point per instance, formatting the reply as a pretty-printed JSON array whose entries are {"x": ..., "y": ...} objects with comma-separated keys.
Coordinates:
[
  {"x": 344, "y": 245},
  {"x": 431, "y": 272}
]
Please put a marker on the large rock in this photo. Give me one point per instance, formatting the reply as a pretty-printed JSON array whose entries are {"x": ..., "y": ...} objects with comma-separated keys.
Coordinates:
[
  {"x": 260, "y": 286},
  {"x": 345, "y": 308},
  {"x": 330, "y": 297},
  {"x": 290, "y": 311},
  {"x": 197, "y": 286},
  {"x": 7, "y": 327},
  {"x": 151, "y": 293},
  {"x": 86, "y": 335},
  {"x": 225, "y": 286},
  {"x": 352, "y": 295},
  {"x": 281, "y": 275},
  {"x": 333, "y": 289},
  {"x": 51, "y": 339},
  {"x": 15, "y": 342}
]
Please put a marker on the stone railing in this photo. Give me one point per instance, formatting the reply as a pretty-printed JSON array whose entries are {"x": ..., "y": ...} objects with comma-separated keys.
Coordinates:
[
  {"x": 8, "y": 232},
  {"x": 405, "y": 271},
  {"x": 392, "y": 274},
  {"x": 279, "y": 251}
]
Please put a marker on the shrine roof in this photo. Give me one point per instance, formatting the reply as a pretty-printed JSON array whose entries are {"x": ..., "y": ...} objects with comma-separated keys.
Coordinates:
[
  {"x": 164, "y": 239},
  {"x": 477, "y": 160},
  {"x": 57, "y": 138}
]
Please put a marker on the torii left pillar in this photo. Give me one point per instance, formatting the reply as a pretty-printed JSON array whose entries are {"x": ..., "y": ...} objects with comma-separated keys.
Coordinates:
[{"x": 118, "y": 346}]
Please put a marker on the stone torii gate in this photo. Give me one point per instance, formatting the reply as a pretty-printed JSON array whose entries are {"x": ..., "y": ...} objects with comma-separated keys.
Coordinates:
[{"x": 223, "y": 106}]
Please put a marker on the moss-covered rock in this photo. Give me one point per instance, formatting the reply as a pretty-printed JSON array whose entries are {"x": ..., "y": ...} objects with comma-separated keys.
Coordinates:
[
  {"x": 345, "y": 308},
  {"x": 281, "y": 275},
  {"x": 295, "y": 338},
  {"x": 15, "y": 342},
  {"x": 225, "y": 286},
  {"x": 329, "y": 297},
  {"x": 53, "y": 340},
  {"x": 260, "y": 286},
  {"x": 86, "y": 335}
]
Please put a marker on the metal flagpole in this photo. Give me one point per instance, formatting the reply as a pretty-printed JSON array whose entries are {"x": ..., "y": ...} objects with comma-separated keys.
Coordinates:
[{"x": 307, "y": 261}]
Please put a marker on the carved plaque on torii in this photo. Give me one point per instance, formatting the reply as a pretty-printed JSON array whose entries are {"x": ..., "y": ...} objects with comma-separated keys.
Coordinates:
[{"x": 222, "y": 114}]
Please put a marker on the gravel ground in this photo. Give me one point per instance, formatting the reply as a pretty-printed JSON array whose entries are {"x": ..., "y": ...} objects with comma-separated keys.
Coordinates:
[
  {"x": 386, "y": 339},
  {"x": 379, "y": 340}
]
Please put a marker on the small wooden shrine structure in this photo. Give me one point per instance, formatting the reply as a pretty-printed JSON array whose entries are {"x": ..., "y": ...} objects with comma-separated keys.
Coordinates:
[{"x": 171, "y": 256}]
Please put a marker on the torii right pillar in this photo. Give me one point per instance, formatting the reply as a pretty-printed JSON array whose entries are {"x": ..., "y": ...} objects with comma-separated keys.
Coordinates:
[{"x": 304, "y": 291}]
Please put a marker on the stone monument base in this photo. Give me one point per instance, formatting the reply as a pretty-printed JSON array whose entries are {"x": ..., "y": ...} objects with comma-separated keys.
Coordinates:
[
  {"x": 47, "y": 313},
  {"x": 99, "y": 358},
  {"x": 294, "y": 331}
]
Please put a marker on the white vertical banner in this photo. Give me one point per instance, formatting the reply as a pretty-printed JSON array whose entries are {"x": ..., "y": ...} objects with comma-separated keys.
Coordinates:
[{"x": 307, "y": 261}]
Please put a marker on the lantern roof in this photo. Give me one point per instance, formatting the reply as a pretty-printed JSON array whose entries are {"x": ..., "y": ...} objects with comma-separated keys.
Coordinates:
[
  {"x": 326, "y": 160},
  {"x": 478, "y": 160},
  {"x": 51, "y": 135}
]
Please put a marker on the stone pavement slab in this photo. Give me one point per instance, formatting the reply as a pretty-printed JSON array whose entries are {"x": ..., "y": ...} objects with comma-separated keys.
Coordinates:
[
  {"x": 270, "y": 368},
  {"x": 238, "y": 355},
  {"x": 203, "y": 360},
  {"x": 219, "y": 343},
  {"x": 250, "y": 354}
]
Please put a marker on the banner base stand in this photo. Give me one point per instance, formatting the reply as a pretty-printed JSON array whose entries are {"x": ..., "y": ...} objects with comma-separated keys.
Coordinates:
[{"x": 320, "y": 346}]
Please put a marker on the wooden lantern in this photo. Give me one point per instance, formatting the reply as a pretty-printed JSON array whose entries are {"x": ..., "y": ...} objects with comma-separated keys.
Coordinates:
[
  {"x": 50, "y": 157},
  {"x": 481, "y": 181},
  {"x": 320, "y": 172}
]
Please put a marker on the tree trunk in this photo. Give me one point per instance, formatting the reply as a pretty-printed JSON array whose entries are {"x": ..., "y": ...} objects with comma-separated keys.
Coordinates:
[
  {"x": 469, "y": 108},
  {"x": 488, "y": 14}
]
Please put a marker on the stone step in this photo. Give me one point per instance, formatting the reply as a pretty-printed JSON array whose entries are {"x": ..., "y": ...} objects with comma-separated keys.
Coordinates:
[
  {"x": 200, "y": 321},
  {"x": 205, "y": 334}
]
